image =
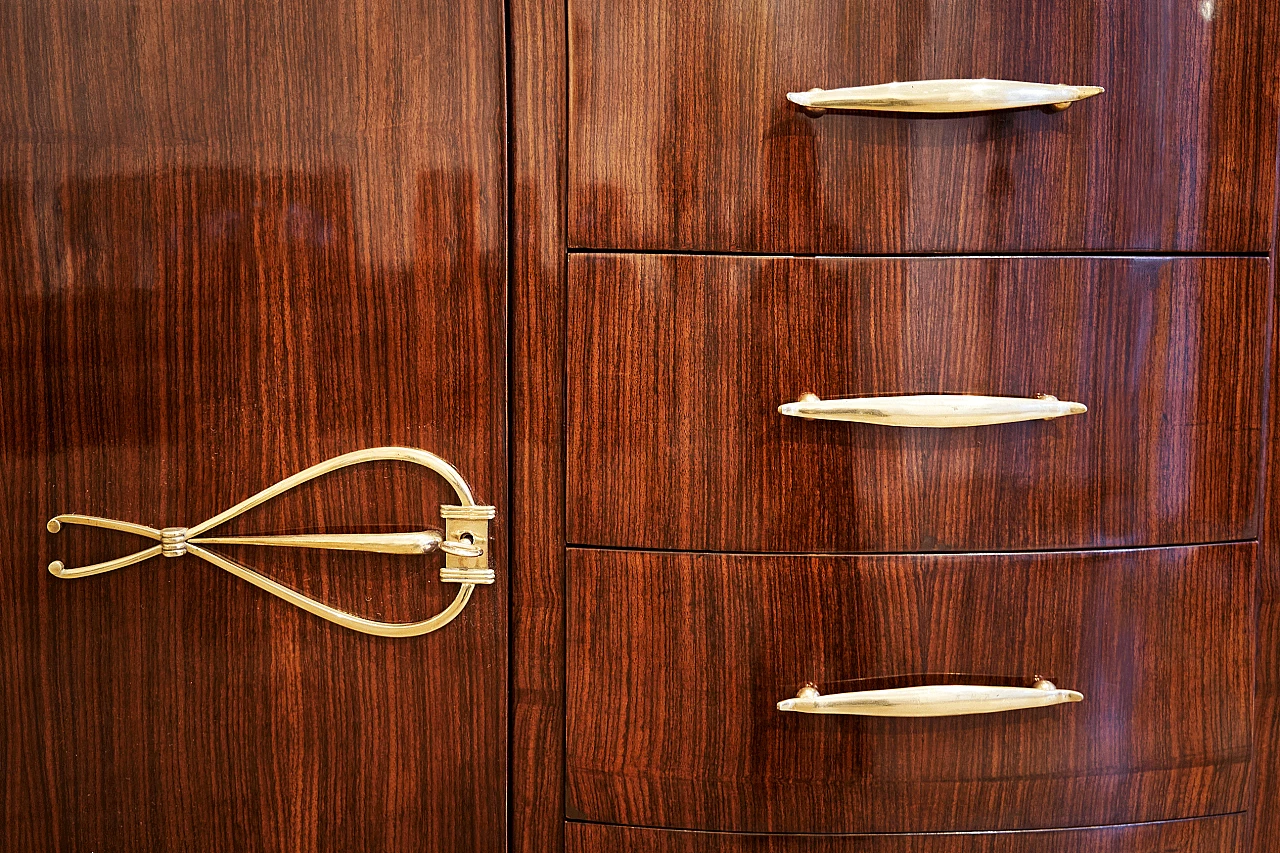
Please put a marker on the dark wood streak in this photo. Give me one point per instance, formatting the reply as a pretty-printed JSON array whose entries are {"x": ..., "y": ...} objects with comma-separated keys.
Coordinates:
[
  {"x": 1209, "y": 835},
  {"x": 681, "y": 136},
  {"x": 1265, "y": 813},
  {"x": 677, "y": 364},
  {"x": 676, "y": 661},
  {"x": 538, "y": 43},
  {"x": 235, "y": 240}
]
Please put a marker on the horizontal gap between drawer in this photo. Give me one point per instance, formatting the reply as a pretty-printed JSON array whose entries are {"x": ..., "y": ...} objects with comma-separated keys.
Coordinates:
[
  {"x": 1111, "y": 549},
  {"x": 1155, "y": 256},
  {"x": 881, "y": 834}
]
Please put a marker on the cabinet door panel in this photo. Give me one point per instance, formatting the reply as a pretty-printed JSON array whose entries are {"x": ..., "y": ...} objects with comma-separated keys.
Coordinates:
[{"x": 238, "y": 239}]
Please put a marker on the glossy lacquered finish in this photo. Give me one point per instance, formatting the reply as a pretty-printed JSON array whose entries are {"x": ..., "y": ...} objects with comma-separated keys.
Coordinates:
[
  {"x": 676, "y": 662},
  {"x": 537, "y": 45},
  {"x": 238, "y": 239},
  {"x": 677, "y": 366},
  {"x": 682, "y": 137},
  {"x": 1266, "y": 802},
  {"x": 1207, "y": 835}
]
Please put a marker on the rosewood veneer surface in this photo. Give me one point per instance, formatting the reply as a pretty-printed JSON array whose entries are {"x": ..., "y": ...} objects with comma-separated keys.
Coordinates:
[
  {"x": 677, "y": 364},
  {"x": 236, "y": 239},
  {"x": 681, "y": 136},
  {"x": 676, "y": 663},
  {"x": 1209, "y": 835}
]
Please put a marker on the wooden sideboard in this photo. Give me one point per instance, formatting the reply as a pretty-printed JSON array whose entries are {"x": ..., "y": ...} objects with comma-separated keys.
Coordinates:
[
  {"x": 729, "y": 256},
  {"x": 497, "y": 426}
]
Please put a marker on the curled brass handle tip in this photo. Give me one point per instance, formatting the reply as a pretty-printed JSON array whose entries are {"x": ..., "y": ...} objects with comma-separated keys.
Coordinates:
[{"x": 464, "y": 542}]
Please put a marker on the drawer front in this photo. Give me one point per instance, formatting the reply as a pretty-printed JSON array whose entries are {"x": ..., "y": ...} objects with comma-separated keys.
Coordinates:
[
  {"x": 677, "y": 366},
  {"x": 682, "y": 136},
  {"x": 676, "y": 663},
  {"x": 1209, "y": 835}
]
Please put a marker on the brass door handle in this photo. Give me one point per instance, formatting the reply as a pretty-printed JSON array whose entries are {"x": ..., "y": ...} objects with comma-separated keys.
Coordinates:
[
  {"x": 464, "y": 541},
  {"x": 939, "y": 411},
  {"x": 944, "y": 96},
  {"x": 932, "y": 700}
]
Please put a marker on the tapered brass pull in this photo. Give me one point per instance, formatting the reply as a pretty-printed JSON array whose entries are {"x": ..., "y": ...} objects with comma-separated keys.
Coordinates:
[
  {"x": 931, "y": 700},
  {"x": 939, "y": 411},
  {"x": 423, "y": 542},
  {"x": 464, "y": 541},
  {"x": 944, "y": 96}
]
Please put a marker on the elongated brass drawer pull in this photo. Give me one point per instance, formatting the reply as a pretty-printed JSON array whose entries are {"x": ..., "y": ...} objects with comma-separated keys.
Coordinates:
[
  {"x": 464, "y": 542},
  {"x": 939, "y": 411},
  {"x": 944, "y": 96},
  {"x": 934, "y": 700}
]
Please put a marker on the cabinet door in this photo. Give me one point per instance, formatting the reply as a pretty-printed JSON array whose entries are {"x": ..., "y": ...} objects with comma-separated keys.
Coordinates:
[{"x": 239, "y": 239}]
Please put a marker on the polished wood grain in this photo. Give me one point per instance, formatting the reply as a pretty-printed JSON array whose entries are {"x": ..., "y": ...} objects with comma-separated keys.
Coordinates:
[
  {"x": 677, "y": 364},
  {"x": 1208, "y": 835},
  {"x": 237, "y": 239},
  {"x": 538, "y": 45},
  {"x": 681, "y": 136},
  {"x": 676, "y": 662}
]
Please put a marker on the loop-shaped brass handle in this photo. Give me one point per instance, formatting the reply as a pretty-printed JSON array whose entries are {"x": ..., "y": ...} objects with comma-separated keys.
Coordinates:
[
  {"x": 944, "y": 96},
  {"x": 939, "y": 411},
  {"x": 930, "y": 700},
  {"x": 464, "y": 542}
]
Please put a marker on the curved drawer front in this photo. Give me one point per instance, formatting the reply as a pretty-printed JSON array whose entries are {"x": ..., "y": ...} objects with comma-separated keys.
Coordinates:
[
  {"x": 1210, "y": 835},
  {"x": 677, "y": 367},
  {"x": 677, "y": 663},
  {"x": 688, "y": 130}
]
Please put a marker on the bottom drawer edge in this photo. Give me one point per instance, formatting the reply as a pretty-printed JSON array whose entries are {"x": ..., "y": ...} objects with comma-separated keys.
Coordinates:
[{"x": 1220, "y": 834}]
